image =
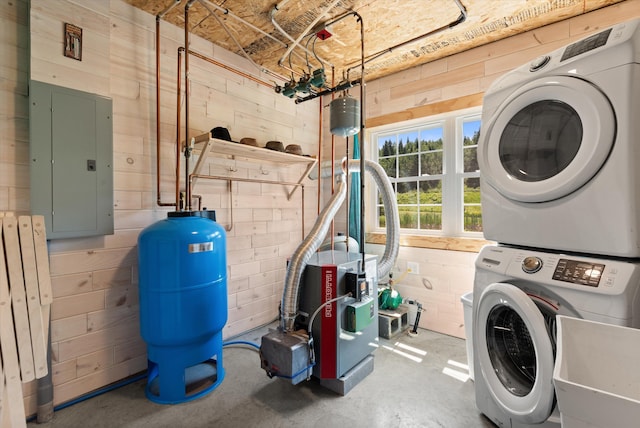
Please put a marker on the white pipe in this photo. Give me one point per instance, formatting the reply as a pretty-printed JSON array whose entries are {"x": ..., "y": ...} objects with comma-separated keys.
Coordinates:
[
  {"x": 247, "y": 23},
  {"x": 306, "y": 30},
  {"x": 284, "y": 33},
  {"x": 244, "y": 53}
]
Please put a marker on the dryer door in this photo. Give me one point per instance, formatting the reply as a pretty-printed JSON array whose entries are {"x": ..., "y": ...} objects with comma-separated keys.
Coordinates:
[
  {"x": 547, "y": 139},
  {"x": 515, "y": 353}
]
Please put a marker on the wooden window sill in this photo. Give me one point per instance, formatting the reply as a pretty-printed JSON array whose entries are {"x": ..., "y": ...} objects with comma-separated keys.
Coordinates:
[{"x": 471, "y": 245}]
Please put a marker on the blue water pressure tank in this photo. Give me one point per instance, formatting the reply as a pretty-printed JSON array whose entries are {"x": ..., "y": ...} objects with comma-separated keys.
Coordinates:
[{"x": 183, "y": 303}]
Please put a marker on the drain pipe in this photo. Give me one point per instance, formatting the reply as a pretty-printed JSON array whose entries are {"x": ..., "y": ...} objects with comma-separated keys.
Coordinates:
[{"x": 45, "y": 385}]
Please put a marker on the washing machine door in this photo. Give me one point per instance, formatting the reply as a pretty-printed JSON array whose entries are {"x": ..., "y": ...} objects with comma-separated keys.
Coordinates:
[
  {"x": 515, "y": 353},
  {"x": 547, "y": 139}
]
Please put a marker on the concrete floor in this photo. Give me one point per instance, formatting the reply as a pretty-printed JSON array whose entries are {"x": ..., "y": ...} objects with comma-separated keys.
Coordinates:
[{"x": 418, "y": 381}]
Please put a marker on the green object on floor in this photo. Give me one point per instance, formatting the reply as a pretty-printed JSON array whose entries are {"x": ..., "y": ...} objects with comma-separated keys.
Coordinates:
[{"x": 389, "y": 299}]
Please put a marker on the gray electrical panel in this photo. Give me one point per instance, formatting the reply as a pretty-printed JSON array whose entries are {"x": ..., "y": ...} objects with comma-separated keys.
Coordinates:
[{"x": 71, "y": 152}]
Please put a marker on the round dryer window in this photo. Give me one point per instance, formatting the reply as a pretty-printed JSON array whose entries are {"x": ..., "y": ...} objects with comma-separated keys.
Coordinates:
[{"x": 547, "y": 139}]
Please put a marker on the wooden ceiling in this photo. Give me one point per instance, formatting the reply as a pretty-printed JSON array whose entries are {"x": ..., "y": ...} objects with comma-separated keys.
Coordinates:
[{"x": 398, "y": 34}]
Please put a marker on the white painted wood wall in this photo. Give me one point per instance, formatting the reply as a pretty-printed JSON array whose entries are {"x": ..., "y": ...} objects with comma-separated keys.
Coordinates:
[{"x": 95, "y": 311}]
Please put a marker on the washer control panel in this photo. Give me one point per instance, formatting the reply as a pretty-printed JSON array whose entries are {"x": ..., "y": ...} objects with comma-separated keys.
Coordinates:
[{"x": 579, "y": 272}]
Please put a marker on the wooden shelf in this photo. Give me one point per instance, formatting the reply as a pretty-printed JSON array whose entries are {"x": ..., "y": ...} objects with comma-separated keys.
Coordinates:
[
  {"x": 205, "y": 146},
  {"x": 214, "y": 145}
]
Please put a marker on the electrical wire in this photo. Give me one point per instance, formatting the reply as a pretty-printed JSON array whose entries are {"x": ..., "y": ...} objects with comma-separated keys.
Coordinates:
[
  {"x": 240, "y": 343},
  {"x": 313, "y": 316}
]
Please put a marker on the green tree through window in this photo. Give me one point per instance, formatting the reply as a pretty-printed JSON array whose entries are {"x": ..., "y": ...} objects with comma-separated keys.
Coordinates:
[{"x": 428, "y": 166}]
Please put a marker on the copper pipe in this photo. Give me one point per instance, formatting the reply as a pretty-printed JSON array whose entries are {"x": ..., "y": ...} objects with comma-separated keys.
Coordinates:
[
  {"x": 333, "y": 157},
  {"x": 230, "y": 189},
  {"x": 187, "y": 149},
  {"x": 249, "y": 180},
  {"x": 158, "y": 193},
  {"x": 178, "y": 124},
  {"x": 226, "y": 67},
  {"x": 320, "y": 124},
  {"x": 361, "y": 139}
]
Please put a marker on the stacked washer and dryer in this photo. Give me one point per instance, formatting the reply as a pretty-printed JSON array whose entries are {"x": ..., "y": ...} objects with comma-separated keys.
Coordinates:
[{"x": 560, "y": 158}]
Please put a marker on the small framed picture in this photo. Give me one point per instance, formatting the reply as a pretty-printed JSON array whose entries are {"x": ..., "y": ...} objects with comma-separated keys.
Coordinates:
[{"x": 73, "y": 41}]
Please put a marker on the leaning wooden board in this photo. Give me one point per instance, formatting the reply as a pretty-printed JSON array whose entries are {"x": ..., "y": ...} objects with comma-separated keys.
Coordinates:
[
  {"x": 25, "y": 298},
  {"x": 38, "y": 342},
  {"x": 13, "y": 407},
  {"x": 18, "y": 297},
  {"x": 42, "y": 261}
]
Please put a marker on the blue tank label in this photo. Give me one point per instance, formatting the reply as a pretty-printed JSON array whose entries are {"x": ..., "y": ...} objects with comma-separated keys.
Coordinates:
[{"x": 201, "y": 247}]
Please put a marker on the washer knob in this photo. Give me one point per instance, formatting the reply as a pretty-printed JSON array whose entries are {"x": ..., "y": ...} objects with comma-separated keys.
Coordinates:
[
  {"x": 539, "y": 62},
  {"x": 531, "y": 264}
]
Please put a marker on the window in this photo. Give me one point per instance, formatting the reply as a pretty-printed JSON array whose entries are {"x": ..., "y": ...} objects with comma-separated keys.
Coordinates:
[{"x": 433, "y": 167}]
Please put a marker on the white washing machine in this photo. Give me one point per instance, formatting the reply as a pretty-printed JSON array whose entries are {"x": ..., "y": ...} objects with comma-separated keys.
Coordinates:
[
  {"x": 559, "y": 148},
  {"x": 517, "y": 294}
]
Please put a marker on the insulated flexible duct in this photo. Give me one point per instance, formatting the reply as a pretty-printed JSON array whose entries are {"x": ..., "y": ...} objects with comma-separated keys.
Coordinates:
[
  {"x": 312, "y": 242},
  {"x": 302, "y": 254},
  {"x": 392, "y": 245}
]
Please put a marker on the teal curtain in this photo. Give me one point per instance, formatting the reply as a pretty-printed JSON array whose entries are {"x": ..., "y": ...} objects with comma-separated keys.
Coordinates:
[{"x": 354, "y": 198}]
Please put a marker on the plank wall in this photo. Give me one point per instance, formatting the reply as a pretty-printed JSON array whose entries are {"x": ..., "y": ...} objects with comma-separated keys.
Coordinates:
[
  {"x": 95, "y": 311},
  {"x": 95, "y": 322}
]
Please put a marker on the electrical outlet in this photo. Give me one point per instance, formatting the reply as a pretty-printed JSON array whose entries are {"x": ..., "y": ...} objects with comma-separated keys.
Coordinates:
[{"x": 413, "y": 268}]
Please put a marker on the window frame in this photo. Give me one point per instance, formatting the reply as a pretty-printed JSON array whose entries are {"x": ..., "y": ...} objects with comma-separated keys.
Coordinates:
[{"x": 452, "y": 177}]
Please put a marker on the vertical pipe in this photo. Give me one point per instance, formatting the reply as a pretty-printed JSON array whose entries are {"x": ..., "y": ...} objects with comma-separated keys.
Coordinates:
[
  {"x": 45, "y": 385},
  {"x": 320, "y": 136},
  {"x": 362, "y": 140},
  {"x": 347, "y": 202},
  {"x": 302, "y": 191},
  {"x": 187, "y": 149},
  {"x": 178, "y": 124},
  {"x": 333, "y": 156},
  {"x": 158, "y": 156}
]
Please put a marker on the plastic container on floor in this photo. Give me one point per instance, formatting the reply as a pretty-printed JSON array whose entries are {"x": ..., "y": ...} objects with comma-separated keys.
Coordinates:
[
  {"x": 596, "y": 374},
  {"x": 467, "y": 306}
]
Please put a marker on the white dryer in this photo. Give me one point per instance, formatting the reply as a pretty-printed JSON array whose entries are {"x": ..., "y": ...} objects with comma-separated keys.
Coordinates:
[
  {"x": 516, "y": 297},
  {"x": 559, "y": 149}
]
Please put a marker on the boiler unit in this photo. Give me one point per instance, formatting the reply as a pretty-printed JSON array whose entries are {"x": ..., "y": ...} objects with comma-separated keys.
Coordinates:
[
  {"x": 337, "y": 324},
  {"x": 329, "y": 309}
]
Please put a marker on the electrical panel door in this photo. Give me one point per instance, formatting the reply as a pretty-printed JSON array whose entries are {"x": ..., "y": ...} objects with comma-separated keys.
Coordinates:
[{"x": 71, "y": 160}]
